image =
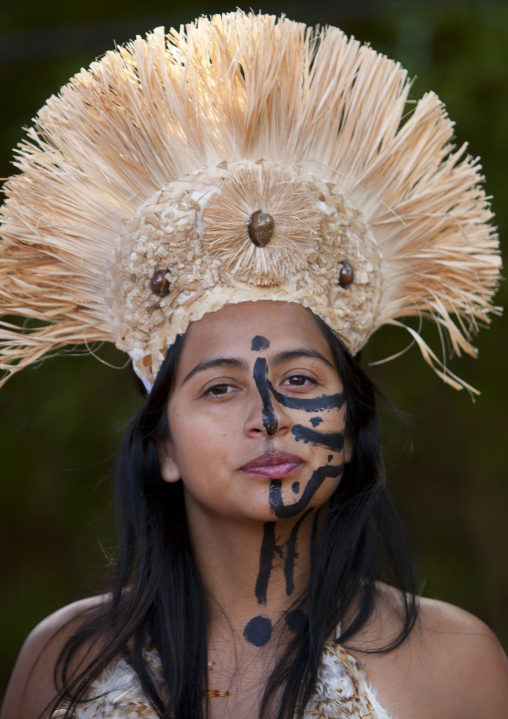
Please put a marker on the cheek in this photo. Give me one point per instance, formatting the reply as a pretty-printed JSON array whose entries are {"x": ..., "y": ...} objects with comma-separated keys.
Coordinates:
[{"x": 199, "y": 447}]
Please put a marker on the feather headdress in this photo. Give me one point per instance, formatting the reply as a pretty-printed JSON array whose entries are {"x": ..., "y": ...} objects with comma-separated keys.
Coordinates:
[{"x": 246, "y": 157}]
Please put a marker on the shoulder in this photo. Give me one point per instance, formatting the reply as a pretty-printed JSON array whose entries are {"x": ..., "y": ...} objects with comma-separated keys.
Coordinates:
[
  {"x": 32, "y": 688},
  {"x": 468, "y": 660},
  {"x": 451, "y": 665}
]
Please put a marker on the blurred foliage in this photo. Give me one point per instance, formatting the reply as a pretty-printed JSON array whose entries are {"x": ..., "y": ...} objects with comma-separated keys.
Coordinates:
[{"x": 62, "y": 421}]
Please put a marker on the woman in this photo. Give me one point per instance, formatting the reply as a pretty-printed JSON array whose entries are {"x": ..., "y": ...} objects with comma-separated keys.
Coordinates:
[{"x": 232, "y": 180}]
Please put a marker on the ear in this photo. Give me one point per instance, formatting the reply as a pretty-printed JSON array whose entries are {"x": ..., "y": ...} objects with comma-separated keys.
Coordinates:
[{"x": 168, "y": 467}]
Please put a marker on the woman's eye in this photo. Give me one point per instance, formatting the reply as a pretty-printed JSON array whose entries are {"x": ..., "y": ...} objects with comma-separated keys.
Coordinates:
[
  {"x": 299, "y": 380},
  {"x": 219, "y": 390}
]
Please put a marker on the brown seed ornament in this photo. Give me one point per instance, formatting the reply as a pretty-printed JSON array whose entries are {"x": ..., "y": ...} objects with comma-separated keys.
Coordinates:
[
  {"x": 346, "y": 274},
  {"x": 261, "y": 226},
  {"x": 159, "y": 283}
]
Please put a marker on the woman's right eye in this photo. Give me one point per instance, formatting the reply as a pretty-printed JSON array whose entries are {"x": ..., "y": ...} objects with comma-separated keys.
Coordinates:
[{"x": 219, "y": 390}]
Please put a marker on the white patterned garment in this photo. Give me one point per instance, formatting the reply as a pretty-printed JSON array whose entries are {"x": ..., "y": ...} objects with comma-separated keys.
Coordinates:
[{"x": 341, "y": 692}]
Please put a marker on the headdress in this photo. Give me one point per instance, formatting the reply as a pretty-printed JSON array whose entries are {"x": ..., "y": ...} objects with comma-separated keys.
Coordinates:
[{"x": 245, "y": 157}]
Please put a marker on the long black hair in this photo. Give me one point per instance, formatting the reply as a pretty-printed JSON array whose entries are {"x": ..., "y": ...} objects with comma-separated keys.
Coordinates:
[{"x": 158, "y": 598}]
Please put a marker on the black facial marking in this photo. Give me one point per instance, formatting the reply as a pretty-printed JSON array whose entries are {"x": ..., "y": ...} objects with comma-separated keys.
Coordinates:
[
  {"x": 265, "y": 387},
  {"x": 259, "y": 343},
  {"x": 295, "y": 620},
  {"x": 332, "y": 440},
  {"x": 268, "y": 549},
  {"x": 295, "y": 487},
  {"x": 315, "y": 404},
  {"x": 315, "y": 421},
  {"x": 330, "y": 457},
  {"x": 260, "y": 374},
  {"x": 318, "y": 476},
  {"x": 258, "y": 631}
]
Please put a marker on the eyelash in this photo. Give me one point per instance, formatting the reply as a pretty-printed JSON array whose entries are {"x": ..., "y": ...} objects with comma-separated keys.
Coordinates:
[
  {"x": 210, "y": 392},
  {"x": 300, "y": 376}
]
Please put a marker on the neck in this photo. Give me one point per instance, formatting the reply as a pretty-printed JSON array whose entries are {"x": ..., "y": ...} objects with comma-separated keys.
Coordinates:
[{"x": 253, "y": 573}]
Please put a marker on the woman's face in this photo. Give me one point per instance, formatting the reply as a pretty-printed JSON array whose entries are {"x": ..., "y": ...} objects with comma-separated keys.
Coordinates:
[{"x": 257, "y": 415}]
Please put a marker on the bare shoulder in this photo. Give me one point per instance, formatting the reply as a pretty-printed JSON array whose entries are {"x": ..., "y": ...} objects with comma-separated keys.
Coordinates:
[
  {"x": 451, "y": 665},
  {"x": 467, "y": 655},
  {"x": 31, "y": 687}
]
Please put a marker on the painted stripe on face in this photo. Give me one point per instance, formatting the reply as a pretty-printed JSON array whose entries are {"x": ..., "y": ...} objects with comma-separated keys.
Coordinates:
[
  {"x": 332, "y": 440},
  {"x": 316, "y": 404},
  {"x": 318, "y": 476},
  {"x": 260, "y": 374},
  {"x": 265, "y": 388},
  {"x": 286, "y": 551}
]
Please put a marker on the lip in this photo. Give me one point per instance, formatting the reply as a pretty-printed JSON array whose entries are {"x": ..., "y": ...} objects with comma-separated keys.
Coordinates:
[{"x": 276, "y": 465}]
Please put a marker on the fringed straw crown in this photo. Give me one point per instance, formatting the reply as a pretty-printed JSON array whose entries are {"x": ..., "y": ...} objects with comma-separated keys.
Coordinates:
[{"x": 246, "y": 157}]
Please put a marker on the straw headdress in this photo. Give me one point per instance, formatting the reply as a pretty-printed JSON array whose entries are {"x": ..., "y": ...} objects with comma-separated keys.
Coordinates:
[{"x": 245, "y": 157}]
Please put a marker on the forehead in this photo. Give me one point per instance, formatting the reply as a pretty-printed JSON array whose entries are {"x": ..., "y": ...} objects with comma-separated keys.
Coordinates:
[{"x": 231, "y": 330}]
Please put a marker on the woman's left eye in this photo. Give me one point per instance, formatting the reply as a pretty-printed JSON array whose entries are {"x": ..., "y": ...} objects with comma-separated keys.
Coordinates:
[{"x": 299, "y": 380}]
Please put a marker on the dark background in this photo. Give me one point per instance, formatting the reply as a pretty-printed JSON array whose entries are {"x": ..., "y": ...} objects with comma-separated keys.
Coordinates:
[{"x": 61, "y": 422}]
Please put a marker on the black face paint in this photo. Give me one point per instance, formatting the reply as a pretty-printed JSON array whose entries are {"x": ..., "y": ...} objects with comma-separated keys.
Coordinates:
[
  {"x": 270, "y": 422},
  {"x": 265, "y": 387},
  {"x": 332, "y": 440},
  {"x": 269, "y": 549},
  {"x": 318, "y": 476},
  {"x": 259, "y": 343},
  {"x": 258, "y": 631},
  {"x": 315, "y": 404}
]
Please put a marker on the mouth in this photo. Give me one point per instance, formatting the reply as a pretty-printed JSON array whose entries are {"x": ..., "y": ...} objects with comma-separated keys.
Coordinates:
[{"x": 276, "y": 465}]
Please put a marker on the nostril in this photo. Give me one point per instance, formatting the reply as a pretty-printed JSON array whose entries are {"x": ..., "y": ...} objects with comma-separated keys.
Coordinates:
[{"x": 271, "y": 425}]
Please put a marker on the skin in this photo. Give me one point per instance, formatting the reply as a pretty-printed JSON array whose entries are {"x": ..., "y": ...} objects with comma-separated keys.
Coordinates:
[
  {"x": 239, "y": 389},
  {"x": 251, "y": 545}
]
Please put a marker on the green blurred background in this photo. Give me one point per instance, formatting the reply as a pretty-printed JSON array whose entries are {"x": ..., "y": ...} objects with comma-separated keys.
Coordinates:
[{"x": 61, "y": 422}]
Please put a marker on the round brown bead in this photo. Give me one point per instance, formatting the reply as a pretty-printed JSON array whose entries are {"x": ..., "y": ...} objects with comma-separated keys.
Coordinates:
[
  {"x": 261, "y": 226},
  {"x": 346, "y": 274},
  {"x": 159, "y": 283}
]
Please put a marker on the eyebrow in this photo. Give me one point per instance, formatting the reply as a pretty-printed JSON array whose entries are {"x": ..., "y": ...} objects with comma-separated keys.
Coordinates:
[
  {"x": 276, "y": 360},
  {"x": 282, "y": 357},
  {"x": 228, "y": 362}
]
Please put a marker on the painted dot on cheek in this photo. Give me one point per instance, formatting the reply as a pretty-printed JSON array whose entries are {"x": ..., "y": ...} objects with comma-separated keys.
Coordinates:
[
  {"x": 258, "y": 631},
  {"x": 295, "y": 487},
  {"x": 315, "y": 421}
]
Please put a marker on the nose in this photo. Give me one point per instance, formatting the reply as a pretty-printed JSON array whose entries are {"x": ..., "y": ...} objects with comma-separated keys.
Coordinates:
[{"x": 272, "y": 418}]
